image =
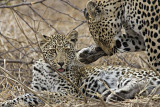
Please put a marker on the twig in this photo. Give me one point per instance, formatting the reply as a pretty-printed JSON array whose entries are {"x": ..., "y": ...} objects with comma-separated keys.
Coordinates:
[
  {"x": 26, "y": 22},
  {"x": 21, "y": 29},
  {"x": 43, "y": 18},
  {"x": 71, "y": 5},
  {"x": 16, "y": 49},
  {"x": 7, "y": 72},
  {"x": 15, "y": 61},
  {"x": 110, "y": 89},
  {"x": 79, "y": 25},
  {"x": 22, "y": 4},
  {"x": 5, "y": 2},
  {"x": 99, "y": 96},
  {"x": 150, "y": 66},
  {"x": 123, "y": 59},
  {"x": 61, "y": 12},
  {"x": 13, "y": 45},
  {"x": 155, "y": 91}
]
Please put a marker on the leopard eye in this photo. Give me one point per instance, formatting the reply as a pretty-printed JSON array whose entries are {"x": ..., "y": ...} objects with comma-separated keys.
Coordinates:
[
  {"x": 52, "y": 50},
  {"x": 67, "y": 49}
]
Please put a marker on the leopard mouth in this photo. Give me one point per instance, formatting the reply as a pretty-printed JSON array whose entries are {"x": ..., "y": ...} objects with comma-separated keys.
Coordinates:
[{"x": 61, "y": 70}]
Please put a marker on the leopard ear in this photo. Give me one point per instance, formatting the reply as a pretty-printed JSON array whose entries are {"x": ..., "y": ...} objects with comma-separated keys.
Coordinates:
[
  {"x": 44, "y": 39},
  {"x": 91, "y": 6},
  {"x": 73, "y": 36}
]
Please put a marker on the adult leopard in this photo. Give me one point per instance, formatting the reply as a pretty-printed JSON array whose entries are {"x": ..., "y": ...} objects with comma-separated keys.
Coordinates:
[
  {"x": 59, "y": 51},
  {"x": 140, "y": 19}
]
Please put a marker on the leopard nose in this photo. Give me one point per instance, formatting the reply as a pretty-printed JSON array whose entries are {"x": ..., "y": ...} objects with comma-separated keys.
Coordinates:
[{"x": 61, "y": 63}]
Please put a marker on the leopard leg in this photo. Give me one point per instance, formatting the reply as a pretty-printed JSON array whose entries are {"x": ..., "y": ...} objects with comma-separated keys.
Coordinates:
[
  {"x": 128, "y": 88},
  {"x": 130, "y": 43},
  {"x": 124, "y": 42},
  {"x": 28, "y": 99},
  {"x": 31, "y": 100},
  {"x": 130, "y": 40},
  {"x": 90, "y": 54}
]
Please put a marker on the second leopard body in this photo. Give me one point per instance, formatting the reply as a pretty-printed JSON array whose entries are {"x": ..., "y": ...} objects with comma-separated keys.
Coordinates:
[{"x": 139, "y": 18}]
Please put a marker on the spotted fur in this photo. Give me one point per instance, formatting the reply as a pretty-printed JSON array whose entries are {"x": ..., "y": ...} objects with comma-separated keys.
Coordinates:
[
  {"x": 59, "y": 51},
  {"x": 140, "y": 19}
]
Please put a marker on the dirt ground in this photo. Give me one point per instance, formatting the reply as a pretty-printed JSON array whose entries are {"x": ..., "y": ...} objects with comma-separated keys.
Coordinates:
[{"x": 18, "y": 46}]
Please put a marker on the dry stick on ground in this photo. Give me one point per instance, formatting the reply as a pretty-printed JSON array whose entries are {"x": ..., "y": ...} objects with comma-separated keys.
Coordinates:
[
  {"x": 7, "y": 72},
  {"x": 10, "y": 51},
  {"x": 110, "y": 89},
  {"x": 13, "y": 45},
  {"x": 123, "y": 59},
  {"x": 21, "y": 4},
  {"x": 155, "y": 91},
  {"x": 99, "y": 96},
  {"x": 157, "y": 73},
  {"x": 16, "y": 61}
]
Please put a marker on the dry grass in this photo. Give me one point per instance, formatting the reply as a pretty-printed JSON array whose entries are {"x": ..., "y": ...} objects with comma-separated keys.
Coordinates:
[{"x": 19, "y": 46}]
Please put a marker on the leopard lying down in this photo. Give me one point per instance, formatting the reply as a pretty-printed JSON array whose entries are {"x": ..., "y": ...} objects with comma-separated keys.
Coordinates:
[{"x": 59, "y": 50}]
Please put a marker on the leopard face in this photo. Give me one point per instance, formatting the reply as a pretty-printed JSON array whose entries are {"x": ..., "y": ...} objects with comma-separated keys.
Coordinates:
[{"x": 59, "y": 50}]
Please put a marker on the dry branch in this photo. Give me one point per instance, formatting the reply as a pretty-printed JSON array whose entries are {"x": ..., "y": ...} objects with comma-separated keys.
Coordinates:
[
  {"x": 124, "y": 60},
  {"x": 155, "y": 71},
  {"x": 61, "y": 12},
  {"x": 71, "y": 5},
  {"x": 6, "y": 2},
  {"x": 21, "y": 4},
  {"x": 27, "y": 88},
  {"x": 16, "y": 61},
  {"x": 42, "y": 18},
  {"x": 79, "y": 25},
  {"x": 11, "y": 51},
  {"x": 13, "y": 45}
]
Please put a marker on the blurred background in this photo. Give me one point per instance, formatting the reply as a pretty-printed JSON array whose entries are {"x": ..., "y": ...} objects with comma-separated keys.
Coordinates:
[{"x": 20, "y": 20}]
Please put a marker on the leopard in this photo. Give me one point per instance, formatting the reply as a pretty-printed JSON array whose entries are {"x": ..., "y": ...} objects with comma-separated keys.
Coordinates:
[
  {"x": 112, "y": 83},
  {"x": 139, "y": 18}
]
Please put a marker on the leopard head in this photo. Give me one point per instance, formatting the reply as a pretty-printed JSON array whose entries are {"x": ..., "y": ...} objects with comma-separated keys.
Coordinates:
[
  {"x": 104, "y": 21},
  {"x": 99, "y": 10},
  {"x": 59, "y": 50}
]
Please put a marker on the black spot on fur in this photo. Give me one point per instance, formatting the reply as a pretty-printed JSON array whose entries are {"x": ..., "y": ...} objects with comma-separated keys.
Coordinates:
[
  {"x": 36, "y": 69},
  {"x": 153, "y": 43},
  {"x": 118, "y": 44},
  {"x": 98, "y": 49},
  {"x": 137, "y": 48},
  {"x": 155, "y": 35},
  {"x": 127, "y": 49},
  {"x": 43, "y": 89},
  {"x": 125, "y": 44},
  {"x": 158, "y": 56}
]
